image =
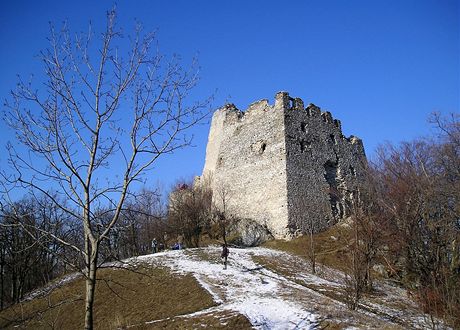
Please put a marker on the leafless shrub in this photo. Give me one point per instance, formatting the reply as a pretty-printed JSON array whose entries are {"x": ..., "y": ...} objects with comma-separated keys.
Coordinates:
[{"x": 420, "y": 194}]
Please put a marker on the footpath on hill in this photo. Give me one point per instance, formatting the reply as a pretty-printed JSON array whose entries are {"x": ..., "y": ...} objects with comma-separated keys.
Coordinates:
[{"x": 275, "y": 290}]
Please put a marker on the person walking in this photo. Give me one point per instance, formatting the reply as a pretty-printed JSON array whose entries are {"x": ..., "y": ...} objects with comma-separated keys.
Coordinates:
[
  {"x": 224, "y": 254},
  {"x": 154, "y": 245}
]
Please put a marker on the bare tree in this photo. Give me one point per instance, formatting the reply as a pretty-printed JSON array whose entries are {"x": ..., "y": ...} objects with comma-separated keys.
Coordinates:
[
  {"x": 421, "y": 185},
  {"x": 222, "y": 216},
  {"x": 311, "y": 223},
  {"x": 311, "y": 252},
  {"x": 364, "y": 245},
  {"x": 101, "y": 119},
  {"x": 143, "y": 220},
  {"x": 189, "y": 212},
  {"x": 29, "y": 256}
]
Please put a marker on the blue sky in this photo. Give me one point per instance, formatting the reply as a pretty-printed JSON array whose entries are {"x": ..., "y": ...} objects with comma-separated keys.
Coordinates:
[{"x": 381, "y": 67}]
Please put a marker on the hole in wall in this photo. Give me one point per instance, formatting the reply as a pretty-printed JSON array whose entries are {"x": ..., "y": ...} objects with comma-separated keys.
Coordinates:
[
  {"x": 330, "y": 174},
  {"x": 352, "y": 170},
  {"x": 259, "y": 147},
  {"x": 263, "y": 146},
  {"x": 303, "y": 127},
  {"x": 304, "y": 145},
  {"x": 332, "y": 137}
]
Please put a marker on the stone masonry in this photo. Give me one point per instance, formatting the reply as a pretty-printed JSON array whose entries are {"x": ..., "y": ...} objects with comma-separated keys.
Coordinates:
[{"x": 287, "y": 167}]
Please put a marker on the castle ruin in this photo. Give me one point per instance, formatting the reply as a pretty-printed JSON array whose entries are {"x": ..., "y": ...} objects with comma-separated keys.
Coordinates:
[{"x": 285, "y": 166}]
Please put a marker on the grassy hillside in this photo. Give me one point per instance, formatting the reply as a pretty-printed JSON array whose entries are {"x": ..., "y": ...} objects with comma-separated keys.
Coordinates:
[
  {"x": 268, "y": 287},
  {"x": 123, "y": 297},
  {"x": 331, "y": 246}
]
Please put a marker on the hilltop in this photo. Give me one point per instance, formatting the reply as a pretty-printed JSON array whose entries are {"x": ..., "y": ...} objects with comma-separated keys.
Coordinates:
[{"x": 263, "y": 288}]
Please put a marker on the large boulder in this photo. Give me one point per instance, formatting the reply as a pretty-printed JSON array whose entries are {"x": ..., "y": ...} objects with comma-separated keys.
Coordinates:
[{"x": 250, "y": 233}]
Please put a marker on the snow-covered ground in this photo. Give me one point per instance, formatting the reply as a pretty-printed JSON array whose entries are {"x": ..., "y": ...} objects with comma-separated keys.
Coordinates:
[
  {"x": 276, "y": 290},
  {"x": 244, "y": 287},
  {"x": 51, "y": 286},
  {"x": 289, "y": 297}
]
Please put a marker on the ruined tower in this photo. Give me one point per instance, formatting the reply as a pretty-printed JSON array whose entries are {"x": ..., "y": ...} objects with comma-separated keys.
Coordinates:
[{"x": 285, "y": 166}]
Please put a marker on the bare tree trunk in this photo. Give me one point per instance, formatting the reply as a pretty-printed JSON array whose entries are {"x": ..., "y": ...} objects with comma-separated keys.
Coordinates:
[
  {"x": 368, "y": 280},
  {"x": 134, "y": 245},
  {"x": 312, "y": 252},
  {"x": 90, "y": 288},
  {"x": 2, "y": 283},
  {"x": 14, "y": 285}
]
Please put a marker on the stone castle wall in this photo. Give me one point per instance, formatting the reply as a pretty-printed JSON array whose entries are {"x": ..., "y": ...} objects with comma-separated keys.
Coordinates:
[
  {"x": 285, "y": 166},
  {"x": 246, "y": 157}
]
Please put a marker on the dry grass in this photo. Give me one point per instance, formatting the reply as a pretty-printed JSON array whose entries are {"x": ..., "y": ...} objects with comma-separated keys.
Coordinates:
[
  {"x": 280, "y": 268},
  {"x": 290, "y": 271},
  {"x": 211, "y": 320},
  {"x": 330, "y": 246},
  {"x": 123, "y": 298},
  {"x": 331, "y": 318}
]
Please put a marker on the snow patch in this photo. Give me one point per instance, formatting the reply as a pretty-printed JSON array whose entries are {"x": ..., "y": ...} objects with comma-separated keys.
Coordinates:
[{"x": 244, "y": 287}]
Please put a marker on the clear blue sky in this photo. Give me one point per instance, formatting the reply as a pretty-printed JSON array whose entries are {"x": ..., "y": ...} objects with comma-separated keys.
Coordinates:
[{"x": 379, "y": 66}]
